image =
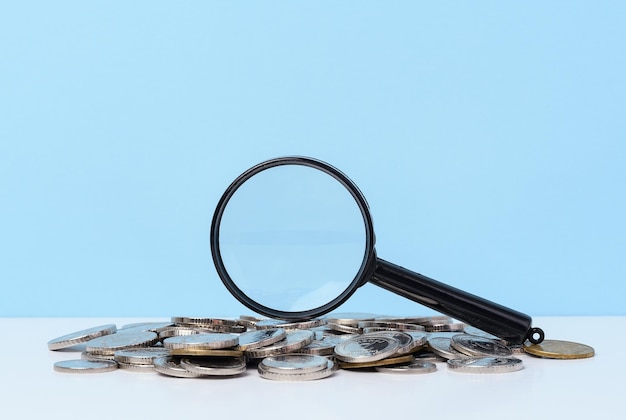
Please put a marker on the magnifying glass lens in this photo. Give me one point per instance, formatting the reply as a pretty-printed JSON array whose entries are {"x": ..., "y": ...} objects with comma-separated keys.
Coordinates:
[{"x": 292, "y": 238}]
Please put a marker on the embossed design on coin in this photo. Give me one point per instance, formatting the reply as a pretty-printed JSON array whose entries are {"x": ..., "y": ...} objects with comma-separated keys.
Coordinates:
[
  {"x": 366, "y": 348},
  {"x": 473, "y": 345},
  {"x": 260, "y": 338},
  {"x": 294, "y": 341},
  {"x": 324, "y": 346},
  {"x": 407, "y": 345}
]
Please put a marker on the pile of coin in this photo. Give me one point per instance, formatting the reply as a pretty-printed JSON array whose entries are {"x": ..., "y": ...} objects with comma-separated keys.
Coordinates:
[{"x": 192, "y": 347}]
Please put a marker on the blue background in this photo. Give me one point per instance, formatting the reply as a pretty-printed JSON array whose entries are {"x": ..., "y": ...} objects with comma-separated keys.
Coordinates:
[{"x": 488, "y": 137}]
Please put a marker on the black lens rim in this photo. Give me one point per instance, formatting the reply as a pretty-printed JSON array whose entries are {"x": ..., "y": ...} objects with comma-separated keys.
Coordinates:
[{"x": 369, "y": 259}]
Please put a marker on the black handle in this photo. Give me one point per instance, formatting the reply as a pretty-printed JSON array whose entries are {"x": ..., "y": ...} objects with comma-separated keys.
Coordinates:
[{"x": 513, "y": 326}]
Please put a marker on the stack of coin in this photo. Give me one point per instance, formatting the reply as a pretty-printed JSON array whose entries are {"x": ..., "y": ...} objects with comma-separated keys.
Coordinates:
[
  {"x": 139, "y": 359},
  {"x": 295, "y": 367},
  {"x": 202, "y": 354},
  {"x": 294, "y": 341},
  {"x": 200, "y": 366},
  {"x": 370, "y": 350},
  {"x": 193, "y": 347},
  {"x": 347, "y": 322}
]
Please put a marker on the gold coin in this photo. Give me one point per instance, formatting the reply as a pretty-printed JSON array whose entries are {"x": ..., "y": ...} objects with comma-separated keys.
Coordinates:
[
  {"x": 558, "y": 349},
  {"x": 206, "y": 352},
  {"x": 384, "y": 362}
]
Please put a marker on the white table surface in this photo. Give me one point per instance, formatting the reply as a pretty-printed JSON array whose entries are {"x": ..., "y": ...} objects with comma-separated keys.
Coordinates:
[{"x": 555, "y": 389}]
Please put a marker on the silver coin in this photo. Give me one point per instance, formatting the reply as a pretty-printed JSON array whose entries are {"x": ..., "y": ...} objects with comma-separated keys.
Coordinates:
[
  {"x": 294, "y": 341},
  {"x": 473, "y": 345},
  {"x": 407, "y": 345},
  {"x": 419, "y": 338},
  {"x": 308, "y": 376},
  {"x": 214, "y": 366},
  {"x": 85, "y": 366},
  {"x": 89, "y": 356},
  {"x": 452, "y": 327},
  {"x": 135, "y": 324},
  {"x": 146, "y": 326},
  {"x": 312, "y": 323},
  {"x": 433, "y": 320},
  {"x": 260, "y": 338},
  {"x": 201, "y": 321},
  {"x": 368, "y": 330},
  {"x": 346, "y": 329},
  {"x": 403, "y": 319},
  {"x": 289, "y": 325},
  {"x": 415, "y": 367},
  {"x": 399, "y": 326},
  {"x": 81, "y": 336},
  {"x": 217, "y": 328},
  {"x": 441, "y": 346},
  {"x": 132, "y": 367},
  {"x": 367, "y": 348},
  {"x": 201, "y": 341},
  {"x": 176, "y": 331},
  {"x": 170, "y": 366},
  {"x": 221, "y": 325},
  {"x": 349, "y": 318},
  {"x": 108, "y": 344},
  {"x": 471, "y": 330},
  {"x": 486, "y": 365},
  {"x": 251, "y": 318},
  {"x": 320, "y": 331},
  {"x": 294, "y": 363},
  {"x": 428, "y": 356},
  {"x": 324, "y": 346},
  {"x": 248, "y": 321},
  {"x": 139, "y": 356}
]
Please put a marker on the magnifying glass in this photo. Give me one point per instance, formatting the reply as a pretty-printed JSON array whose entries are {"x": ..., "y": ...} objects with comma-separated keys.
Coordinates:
[{"x": 292, "y": 238}]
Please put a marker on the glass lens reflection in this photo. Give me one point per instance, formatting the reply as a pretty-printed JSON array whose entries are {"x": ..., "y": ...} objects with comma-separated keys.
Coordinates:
[{"x": 292, "y": 238}]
